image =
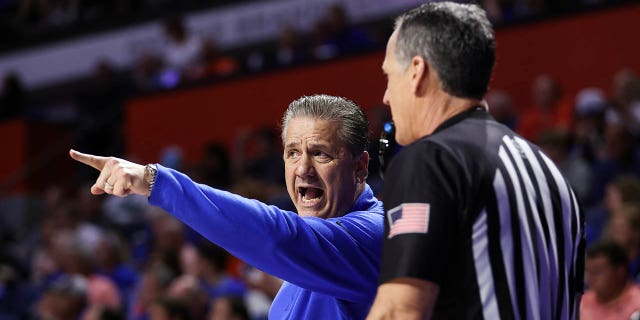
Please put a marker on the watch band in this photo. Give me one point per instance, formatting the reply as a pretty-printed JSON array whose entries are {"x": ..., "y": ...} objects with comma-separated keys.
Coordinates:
[{"x": 150, "y": 172}]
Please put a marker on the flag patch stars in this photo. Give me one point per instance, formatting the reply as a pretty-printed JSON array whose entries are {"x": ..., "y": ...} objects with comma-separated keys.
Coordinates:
[{"x": 408, "y": 218}]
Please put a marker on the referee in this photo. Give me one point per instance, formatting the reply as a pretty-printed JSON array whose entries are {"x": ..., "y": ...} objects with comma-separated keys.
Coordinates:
[{"x": 480, "y": 224}]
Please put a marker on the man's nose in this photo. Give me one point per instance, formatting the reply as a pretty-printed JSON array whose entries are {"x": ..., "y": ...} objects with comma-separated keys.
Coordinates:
[
  {"x": 385, "y": 97},
  {"x": 305, "y": 167}
]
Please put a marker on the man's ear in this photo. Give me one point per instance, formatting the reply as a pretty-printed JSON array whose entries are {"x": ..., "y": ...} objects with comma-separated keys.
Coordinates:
[
  {"x": 362, "y": 167},
  {"x": 419, "y": 70}
]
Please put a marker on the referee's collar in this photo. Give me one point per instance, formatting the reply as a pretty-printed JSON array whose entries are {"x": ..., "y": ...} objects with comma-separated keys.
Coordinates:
[{"x": 473, "y": 112}]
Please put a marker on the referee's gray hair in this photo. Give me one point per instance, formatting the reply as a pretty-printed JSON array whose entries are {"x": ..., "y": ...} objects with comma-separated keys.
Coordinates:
[
  {"x": 457, "y": 41},
  {"x": 354, "y": 127}
]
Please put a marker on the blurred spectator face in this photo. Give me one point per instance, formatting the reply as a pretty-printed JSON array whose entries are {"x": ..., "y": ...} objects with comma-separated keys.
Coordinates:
[
  {"x": 589, "y": 112},
  {"x": 620, "y": 231},
  {"x": 169, "y": 234},
  {"x": 618, "y": 140},
  {"x": 150, "y": 289},
  {"x": 101, "y": 291},
  {"x": 189, "y": 260},
  {"x": 603, "y": 278},
  {"x": 500, "y": 105},
  {"x": 626, "y": 87},
  {"x": 220, "y": 310},
  {"x": 158, "y": 312},
  {"x": 624, "y": 227},
  {"x": 106, "y": 255},
  {"x": 612, "y": 197},
  {"x": 546, "y": 92}
]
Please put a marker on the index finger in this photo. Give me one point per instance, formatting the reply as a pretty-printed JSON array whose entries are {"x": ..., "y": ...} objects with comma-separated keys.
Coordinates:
[{"x": 95, "y": 161}]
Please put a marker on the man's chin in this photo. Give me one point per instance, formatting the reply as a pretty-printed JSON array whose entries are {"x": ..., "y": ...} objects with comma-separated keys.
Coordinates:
[{"x": 309, "y": 212}]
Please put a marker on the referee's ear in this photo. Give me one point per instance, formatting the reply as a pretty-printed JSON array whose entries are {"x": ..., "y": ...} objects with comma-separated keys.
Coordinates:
[{"x": 418, "y": 71}]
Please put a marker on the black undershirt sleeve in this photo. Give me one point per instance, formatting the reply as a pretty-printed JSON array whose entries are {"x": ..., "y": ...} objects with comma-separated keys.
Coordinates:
[{"x": 422, "y": 173}]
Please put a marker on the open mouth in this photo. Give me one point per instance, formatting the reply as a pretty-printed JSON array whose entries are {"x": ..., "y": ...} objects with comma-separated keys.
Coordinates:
[{"x": 310, "y": 195}]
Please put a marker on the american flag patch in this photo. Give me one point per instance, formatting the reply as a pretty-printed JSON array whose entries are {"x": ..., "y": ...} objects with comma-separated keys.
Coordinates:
[{"x": 408, "y": 218}]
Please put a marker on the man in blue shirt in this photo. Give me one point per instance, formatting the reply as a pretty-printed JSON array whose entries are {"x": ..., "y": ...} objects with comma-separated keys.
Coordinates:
[{"x": 327, "y": 253}]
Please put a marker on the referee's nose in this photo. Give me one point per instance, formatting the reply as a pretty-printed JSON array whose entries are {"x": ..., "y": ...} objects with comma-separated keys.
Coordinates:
[{"x": 385, "y": 97}]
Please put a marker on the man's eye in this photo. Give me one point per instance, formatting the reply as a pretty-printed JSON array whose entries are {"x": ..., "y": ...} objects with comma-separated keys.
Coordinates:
[
  {"x": 292, "y": 154},
  {"x": 322, "y": 155}
]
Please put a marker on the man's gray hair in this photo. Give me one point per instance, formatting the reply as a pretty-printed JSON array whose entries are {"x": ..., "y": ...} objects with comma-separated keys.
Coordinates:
[
  {"x": 456, "y": 40},
  {"x": 354, "y": 127}
]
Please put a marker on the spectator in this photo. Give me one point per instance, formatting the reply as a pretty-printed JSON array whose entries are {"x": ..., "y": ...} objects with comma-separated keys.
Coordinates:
[
  {"x": 334, "y": 35},
  {"x": 610, "y": 295},
  {"x": 262, "y": 289},
  {"x": 547, "y": 110},
  {"x": 257, "y": 154},
  {"x": 621, "y": 157},
  {"x": 184, "y": 53},
  {"x": 187, "y": 290},
  {"x": 626, "y": 99},
  {"x": 147, "y": 72},
  {"x": 110, "y": 263},
  {"x": 622, "y": 190},
  {"x": 289, "y": 50},
  {"x": 216, "y": 167},
  {"x": 588, "y": 120},
  {"x": 212, "y": 265},
  {"x": 153, "y": 285},
  {"x": 218, "y": 64},
  {"x": 624, "y": 229},
  {"x": 64, "y": 299},
  {"x": 501, "y": 108}
]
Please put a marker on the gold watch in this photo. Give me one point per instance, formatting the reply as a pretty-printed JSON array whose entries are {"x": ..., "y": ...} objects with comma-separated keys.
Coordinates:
[{"x": 150, "y": 172}]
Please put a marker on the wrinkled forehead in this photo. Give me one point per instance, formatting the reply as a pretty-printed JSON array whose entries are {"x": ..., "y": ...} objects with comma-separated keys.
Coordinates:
[{"x": 311, "y": 130}]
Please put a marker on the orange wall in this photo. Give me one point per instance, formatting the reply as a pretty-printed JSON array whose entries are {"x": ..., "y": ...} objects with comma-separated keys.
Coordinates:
[
  {"x": 34, "y": 156},
  {"x": 581, "y": 50}
]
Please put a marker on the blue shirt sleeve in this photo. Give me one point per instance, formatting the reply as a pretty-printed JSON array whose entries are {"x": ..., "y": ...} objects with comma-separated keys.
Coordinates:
[{"x": 337, "y": 257}]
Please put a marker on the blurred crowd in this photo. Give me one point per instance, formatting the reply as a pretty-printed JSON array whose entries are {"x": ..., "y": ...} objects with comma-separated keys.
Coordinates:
[
  {"x": 42, "y": 19},
  {"x": 78, "y": 256}
]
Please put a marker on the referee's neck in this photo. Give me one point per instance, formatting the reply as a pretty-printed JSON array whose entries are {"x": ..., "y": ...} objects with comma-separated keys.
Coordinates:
[{"x": 432, "y": 112}]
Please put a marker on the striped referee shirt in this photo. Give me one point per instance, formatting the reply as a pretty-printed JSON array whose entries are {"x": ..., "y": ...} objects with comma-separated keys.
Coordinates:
[{"x": 488, "y": 217}]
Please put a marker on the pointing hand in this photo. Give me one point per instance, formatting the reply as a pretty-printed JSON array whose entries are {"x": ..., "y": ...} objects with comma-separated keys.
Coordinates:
[{"x": 117, "y": 176}]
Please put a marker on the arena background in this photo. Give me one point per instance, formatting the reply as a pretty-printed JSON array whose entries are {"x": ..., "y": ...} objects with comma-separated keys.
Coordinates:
[{"x": 59, "y": 68}]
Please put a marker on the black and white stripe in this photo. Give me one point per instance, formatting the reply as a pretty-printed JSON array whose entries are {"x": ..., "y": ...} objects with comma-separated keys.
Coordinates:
[{"x": 526, "y": 239}]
